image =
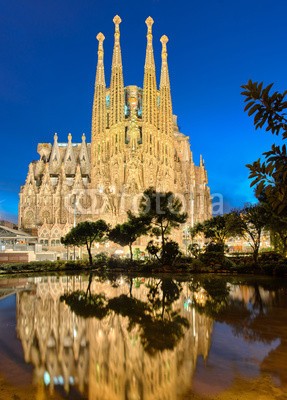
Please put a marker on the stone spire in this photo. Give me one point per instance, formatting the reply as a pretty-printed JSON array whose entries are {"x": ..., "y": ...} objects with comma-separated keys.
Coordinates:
[
  {"x": 201, "y": 162},
  {"x": 99, "y": 105},
  {"x": 70, "y": 159},
  {"x": 84, "y": 157},
  {"x": 55, "y": 157},
  {"x": 117, "y": 103},
  {"x": 149, "y": 86},
  {"x": 30, "y": 180},
  {"x": 165, "y": 109},
  {"x": 46, "y": 186},
  {"x": 78, "y": 182}
]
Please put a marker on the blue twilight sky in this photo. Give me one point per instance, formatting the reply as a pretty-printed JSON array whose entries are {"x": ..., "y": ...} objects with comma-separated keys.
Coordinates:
[{"x": 47, "y": 71}]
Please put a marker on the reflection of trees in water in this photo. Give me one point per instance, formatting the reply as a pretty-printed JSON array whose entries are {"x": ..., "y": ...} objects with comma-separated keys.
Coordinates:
[
  {"x": 256, "y": 312},
  {"x": 105, "y": 356},
  {"x": 161, "y": 325},
  {"x": 131, "y": 341}
]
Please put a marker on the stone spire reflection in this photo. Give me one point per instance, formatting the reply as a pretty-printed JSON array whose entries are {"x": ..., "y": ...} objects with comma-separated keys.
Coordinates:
[{"x": 104, "y": 358}]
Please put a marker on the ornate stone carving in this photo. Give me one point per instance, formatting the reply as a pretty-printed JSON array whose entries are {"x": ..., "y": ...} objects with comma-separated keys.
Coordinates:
[{"x": 135, "y": 144}]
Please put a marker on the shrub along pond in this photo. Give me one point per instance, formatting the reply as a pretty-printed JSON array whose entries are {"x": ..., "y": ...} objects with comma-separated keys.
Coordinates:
[{"x": 269, "y": 263}]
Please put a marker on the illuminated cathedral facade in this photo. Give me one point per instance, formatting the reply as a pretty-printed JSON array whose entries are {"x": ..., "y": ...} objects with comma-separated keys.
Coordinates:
[{"x": 135, "y": 144}]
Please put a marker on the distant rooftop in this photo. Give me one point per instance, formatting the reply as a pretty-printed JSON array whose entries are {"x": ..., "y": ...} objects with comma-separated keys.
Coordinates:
[{"x": 6, "y": 233}]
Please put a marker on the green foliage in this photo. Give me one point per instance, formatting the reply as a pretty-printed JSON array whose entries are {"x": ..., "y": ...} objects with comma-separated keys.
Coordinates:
[
  {"x": 273, "y": 263},
  {"x": 197, "y": 265},
  {"x": 86, "y": 234},
  {"x": 39, "y": 266},
  {"x": 215, "y": 248},
  {"x": 213, "y": 256},
  {"x": 153, "y": 249},
  {"x": 269, "y": 109},
  {"x": 137, "y": 253},
  {"x": 194, "y": 250},
  {"x": 170, "y": 252},
  {"x": 101, "y": 258},
  {"x": 194, "y": 231},
  {"x": 212, "y": 259},
  {"x": 167, "y": 255},
  {"x": 269, "y": 176},
  {"x": 128, "y": 232},
  {"x": 121, "y": 263},
  {"x": 163, "y": 210},
  {"x": 219, "y": 228},
  {"x": 278, "y": 232},
  {"x": 252, "y": 219},
  {"x": 271, "y": 256}
]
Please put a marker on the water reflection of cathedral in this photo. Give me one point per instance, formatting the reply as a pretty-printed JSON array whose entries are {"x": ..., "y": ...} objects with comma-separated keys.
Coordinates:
[{"x": 102, "y": 358}]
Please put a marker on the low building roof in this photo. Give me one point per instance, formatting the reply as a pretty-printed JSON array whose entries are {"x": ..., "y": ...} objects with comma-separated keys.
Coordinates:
[{"x": 9, "y": 233}]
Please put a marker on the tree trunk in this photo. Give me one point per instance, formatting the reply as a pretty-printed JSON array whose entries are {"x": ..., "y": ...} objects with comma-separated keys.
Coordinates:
[
  {"x": 255, "y": 254},
  {"x": 90, "y": 255},
  {"x": 89, "y": 285},
  {"x": 162, "y": 243},
  {"x": 131, "y": 287},
  {"x": 131, "y": 251}
]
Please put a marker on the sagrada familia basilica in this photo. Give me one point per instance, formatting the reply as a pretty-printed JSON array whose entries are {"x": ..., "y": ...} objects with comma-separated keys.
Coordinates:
[{"x": 135, "y": 144}]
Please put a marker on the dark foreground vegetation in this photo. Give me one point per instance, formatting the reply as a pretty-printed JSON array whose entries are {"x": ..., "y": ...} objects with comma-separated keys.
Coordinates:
[{"x": 269, "y": 263}]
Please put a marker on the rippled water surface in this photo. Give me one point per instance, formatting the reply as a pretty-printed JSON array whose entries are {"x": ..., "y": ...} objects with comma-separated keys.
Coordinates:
[{"x": 90, "y": 337}]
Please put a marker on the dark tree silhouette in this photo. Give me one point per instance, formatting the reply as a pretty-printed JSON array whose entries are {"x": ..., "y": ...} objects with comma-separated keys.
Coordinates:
[
  {"x": 86, "y": 234},
  {"x": 269, "y": 176}
]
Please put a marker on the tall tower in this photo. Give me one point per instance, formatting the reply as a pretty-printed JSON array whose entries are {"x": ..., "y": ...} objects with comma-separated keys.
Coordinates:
[
  {"x": 98, "y": 115},
  {"x": 117, "y": 100},
  {"x": 116, "y": 117},
  {"x": 165, "y": 105},
  {"x": 135, "y": 144},
  {"x": 166, "y": 118},
  {"x": 149, "y": 87}
]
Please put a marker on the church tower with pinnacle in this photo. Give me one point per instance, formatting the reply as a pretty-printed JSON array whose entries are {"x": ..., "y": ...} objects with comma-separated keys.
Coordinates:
[{"x": 135, "y": 144}]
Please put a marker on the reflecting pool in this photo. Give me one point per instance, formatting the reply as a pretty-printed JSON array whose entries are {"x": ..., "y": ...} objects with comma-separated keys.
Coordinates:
[{"x": 132, "y": 338}]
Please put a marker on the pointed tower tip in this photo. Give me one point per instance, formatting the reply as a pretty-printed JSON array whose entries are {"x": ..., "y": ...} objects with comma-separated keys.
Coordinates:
[
  {"x": 83, "y": 137},
  {"x": 164, "y": 39},
  {"x": 117, "y": 20},
  {"x": 100, "y": 37},
  {"x": 69, "y": 137},
  {"x": 55, "y": 137},
  {"x": 149, "y": 21}
]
